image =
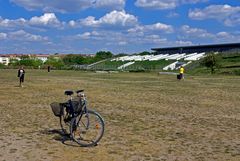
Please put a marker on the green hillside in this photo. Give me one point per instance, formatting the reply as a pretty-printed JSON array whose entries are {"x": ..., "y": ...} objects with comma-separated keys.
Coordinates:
[
  {"x": 137, "y": 66},
  {"x": 229, "y": 64}
]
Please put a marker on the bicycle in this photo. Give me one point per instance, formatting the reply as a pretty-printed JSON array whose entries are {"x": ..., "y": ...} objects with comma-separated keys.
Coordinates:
[{"x": 85, "y": 126}]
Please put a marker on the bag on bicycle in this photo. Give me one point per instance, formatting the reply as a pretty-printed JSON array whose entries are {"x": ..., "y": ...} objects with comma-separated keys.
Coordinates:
[
  {"x": 57, "y": 109},
  {"x": 77, "y": 105}
]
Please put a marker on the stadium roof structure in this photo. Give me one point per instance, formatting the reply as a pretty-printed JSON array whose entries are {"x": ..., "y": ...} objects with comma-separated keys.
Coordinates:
[{"x": 198, "y": 48}]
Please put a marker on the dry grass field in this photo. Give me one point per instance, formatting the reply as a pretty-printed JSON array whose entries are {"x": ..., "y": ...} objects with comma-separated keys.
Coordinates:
[{"x": 147, "y": 116}]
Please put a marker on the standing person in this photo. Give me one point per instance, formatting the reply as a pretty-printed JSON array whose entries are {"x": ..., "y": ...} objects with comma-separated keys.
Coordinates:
[
  {"x": 181, "y": 71},
  {"x": 21, "y": 73},
  {"x": 49, "y": 68}
]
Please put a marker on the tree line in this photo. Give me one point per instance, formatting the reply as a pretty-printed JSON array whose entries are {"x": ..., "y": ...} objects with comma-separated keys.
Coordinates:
[{"x": 59, "y": 62}]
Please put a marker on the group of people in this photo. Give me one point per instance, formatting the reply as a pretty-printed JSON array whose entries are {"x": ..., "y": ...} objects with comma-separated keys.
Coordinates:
[{"x": 21, "y": 75}]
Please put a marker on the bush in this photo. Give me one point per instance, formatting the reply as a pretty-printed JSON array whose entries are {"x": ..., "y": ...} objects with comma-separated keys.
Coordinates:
[
  {"x": 27, "y": 62},
  {"x": 2, "y": 66},
  {"x": 236, "y": 72},
  {"x": 54, "y": 63},
  {"x": 72, "y": 59},
  {"x": 103, "y": 55}
]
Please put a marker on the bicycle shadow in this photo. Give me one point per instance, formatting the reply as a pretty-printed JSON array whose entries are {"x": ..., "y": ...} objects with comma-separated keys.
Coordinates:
[{"x": 58, "y": 135}]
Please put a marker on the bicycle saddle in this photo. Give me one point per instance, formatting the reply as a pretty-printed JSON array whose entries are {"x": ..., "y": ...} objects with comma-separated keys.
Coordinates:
[
  {"x": 68, "y": 93},
  {"x": 79, "y": 91}
]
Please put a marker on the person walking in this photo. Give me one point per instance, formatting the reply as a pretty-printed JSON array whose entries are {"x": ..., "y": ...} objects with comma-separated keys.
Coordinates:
[
  {"x": 49, "y": 68},
  {"x": 181, "y": 72},
  {"x": 21, "y": 74}
]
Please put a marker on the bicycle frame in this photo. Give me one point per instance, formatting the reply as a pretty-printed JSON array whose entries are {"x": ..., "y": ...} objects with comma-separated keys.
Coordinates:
[{"x": 84, "y": 109}]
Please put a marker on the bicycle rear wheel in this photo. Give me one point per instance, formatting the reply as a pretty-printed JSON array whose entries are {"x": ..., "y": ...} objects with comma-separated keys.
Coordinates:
[
  {"x": 65, "y": 122},
  {"x": 87, "y": 129}
]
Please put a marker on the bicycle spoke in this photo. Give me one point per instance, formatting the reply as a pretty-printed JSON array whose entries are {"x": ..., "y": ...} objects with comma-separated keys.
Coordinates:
[{"x": 83, "y": 124}]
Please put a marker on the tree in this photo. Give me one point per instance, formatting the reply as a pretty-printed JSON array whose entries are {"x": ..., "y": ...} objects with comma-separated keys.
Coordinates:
[
  {"x": 72, "y": 59},
  {"x": 211, "y": 61},
  {"x": 56, "y": 63},
  {"x": 103, "y": 55},
  {"x": 31, "y": 62},
  {"x": 14, "y": 62},
  {"x": 2, "y": 66},
  {"x": 144, "y": 53},
  {"x": 88, "y": 60},
  {"x": 23, "y": 57}
]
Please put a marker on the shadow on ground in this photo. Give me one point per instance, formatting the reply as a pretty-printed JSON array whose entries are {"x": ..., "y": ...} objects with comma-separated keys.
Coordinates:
[{"x": 58, "y": 135}]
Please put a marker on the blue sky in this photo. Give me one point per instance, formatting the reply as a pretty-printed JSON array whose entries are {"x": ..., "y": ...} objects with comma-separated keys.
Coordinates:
[{"x": 119, "y": 26}]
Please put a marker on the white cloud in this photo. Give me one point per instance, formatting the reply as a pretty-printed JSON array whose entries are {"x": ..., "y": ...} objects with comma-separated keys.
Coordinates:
[
  {"x": 85, "y": 35},
  {"x": 227, "y": 37},
  {"x": 156, "y": 4},
  {"x": 223, "y": 34},
  {"x": 164, "y": 4},
  {"x": 181, "y": 42},
  {"x": 118, "y": 18},
  {"x": 227, "y": 14},
  {"x": 192, "y": 1},
  {"x": 155, "y": 39},
  {"x": 94, "y": 35},
  {"x": 160, "y": 27},
  {"x": 22, "y": 35},
  {"x": 89, "y": 21},
  {"x": 152, "y": 28},
  {"x": 48, "y": 19},
  {"x": 72, "y": 23},
  {"x": 3, "y": 36},
  {"x": 64, "y": 6},
  {"x": 100, "y": 36},
  {"x": 195, "y": 32},
  {"x": 172, "y": 15},
  {"x": 198, "y": 35},
  {"x": 12, "y": 23},
  {"x": 113, "y": 4},
  {"x": 114, "y": 38},
  {"x": 121, "y": 43},
  {"x": 114, "y": 18}
]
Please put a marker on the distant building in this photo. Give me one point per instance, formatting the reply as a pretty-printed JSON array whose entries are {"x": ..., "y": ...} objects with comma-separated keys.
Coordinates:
[
  {"x": 43, "y": 57},
  {"x": 4, "y": 59},
  {"x": 87, "y": 55},
  {"x": 14, "y": 56},
  {"x": 198, "y": 48}
]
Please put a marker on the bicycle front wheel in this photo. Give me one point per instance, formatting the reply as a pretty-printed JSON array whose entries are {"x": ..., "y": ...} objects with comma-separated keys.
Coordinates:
[{"x": 87, "y": 129}]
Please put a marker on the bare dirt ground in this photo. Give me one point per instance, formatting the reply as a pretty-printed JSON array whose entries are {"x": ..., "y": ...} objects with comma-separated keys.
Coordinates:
[{"x": 148, "y": 117}]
